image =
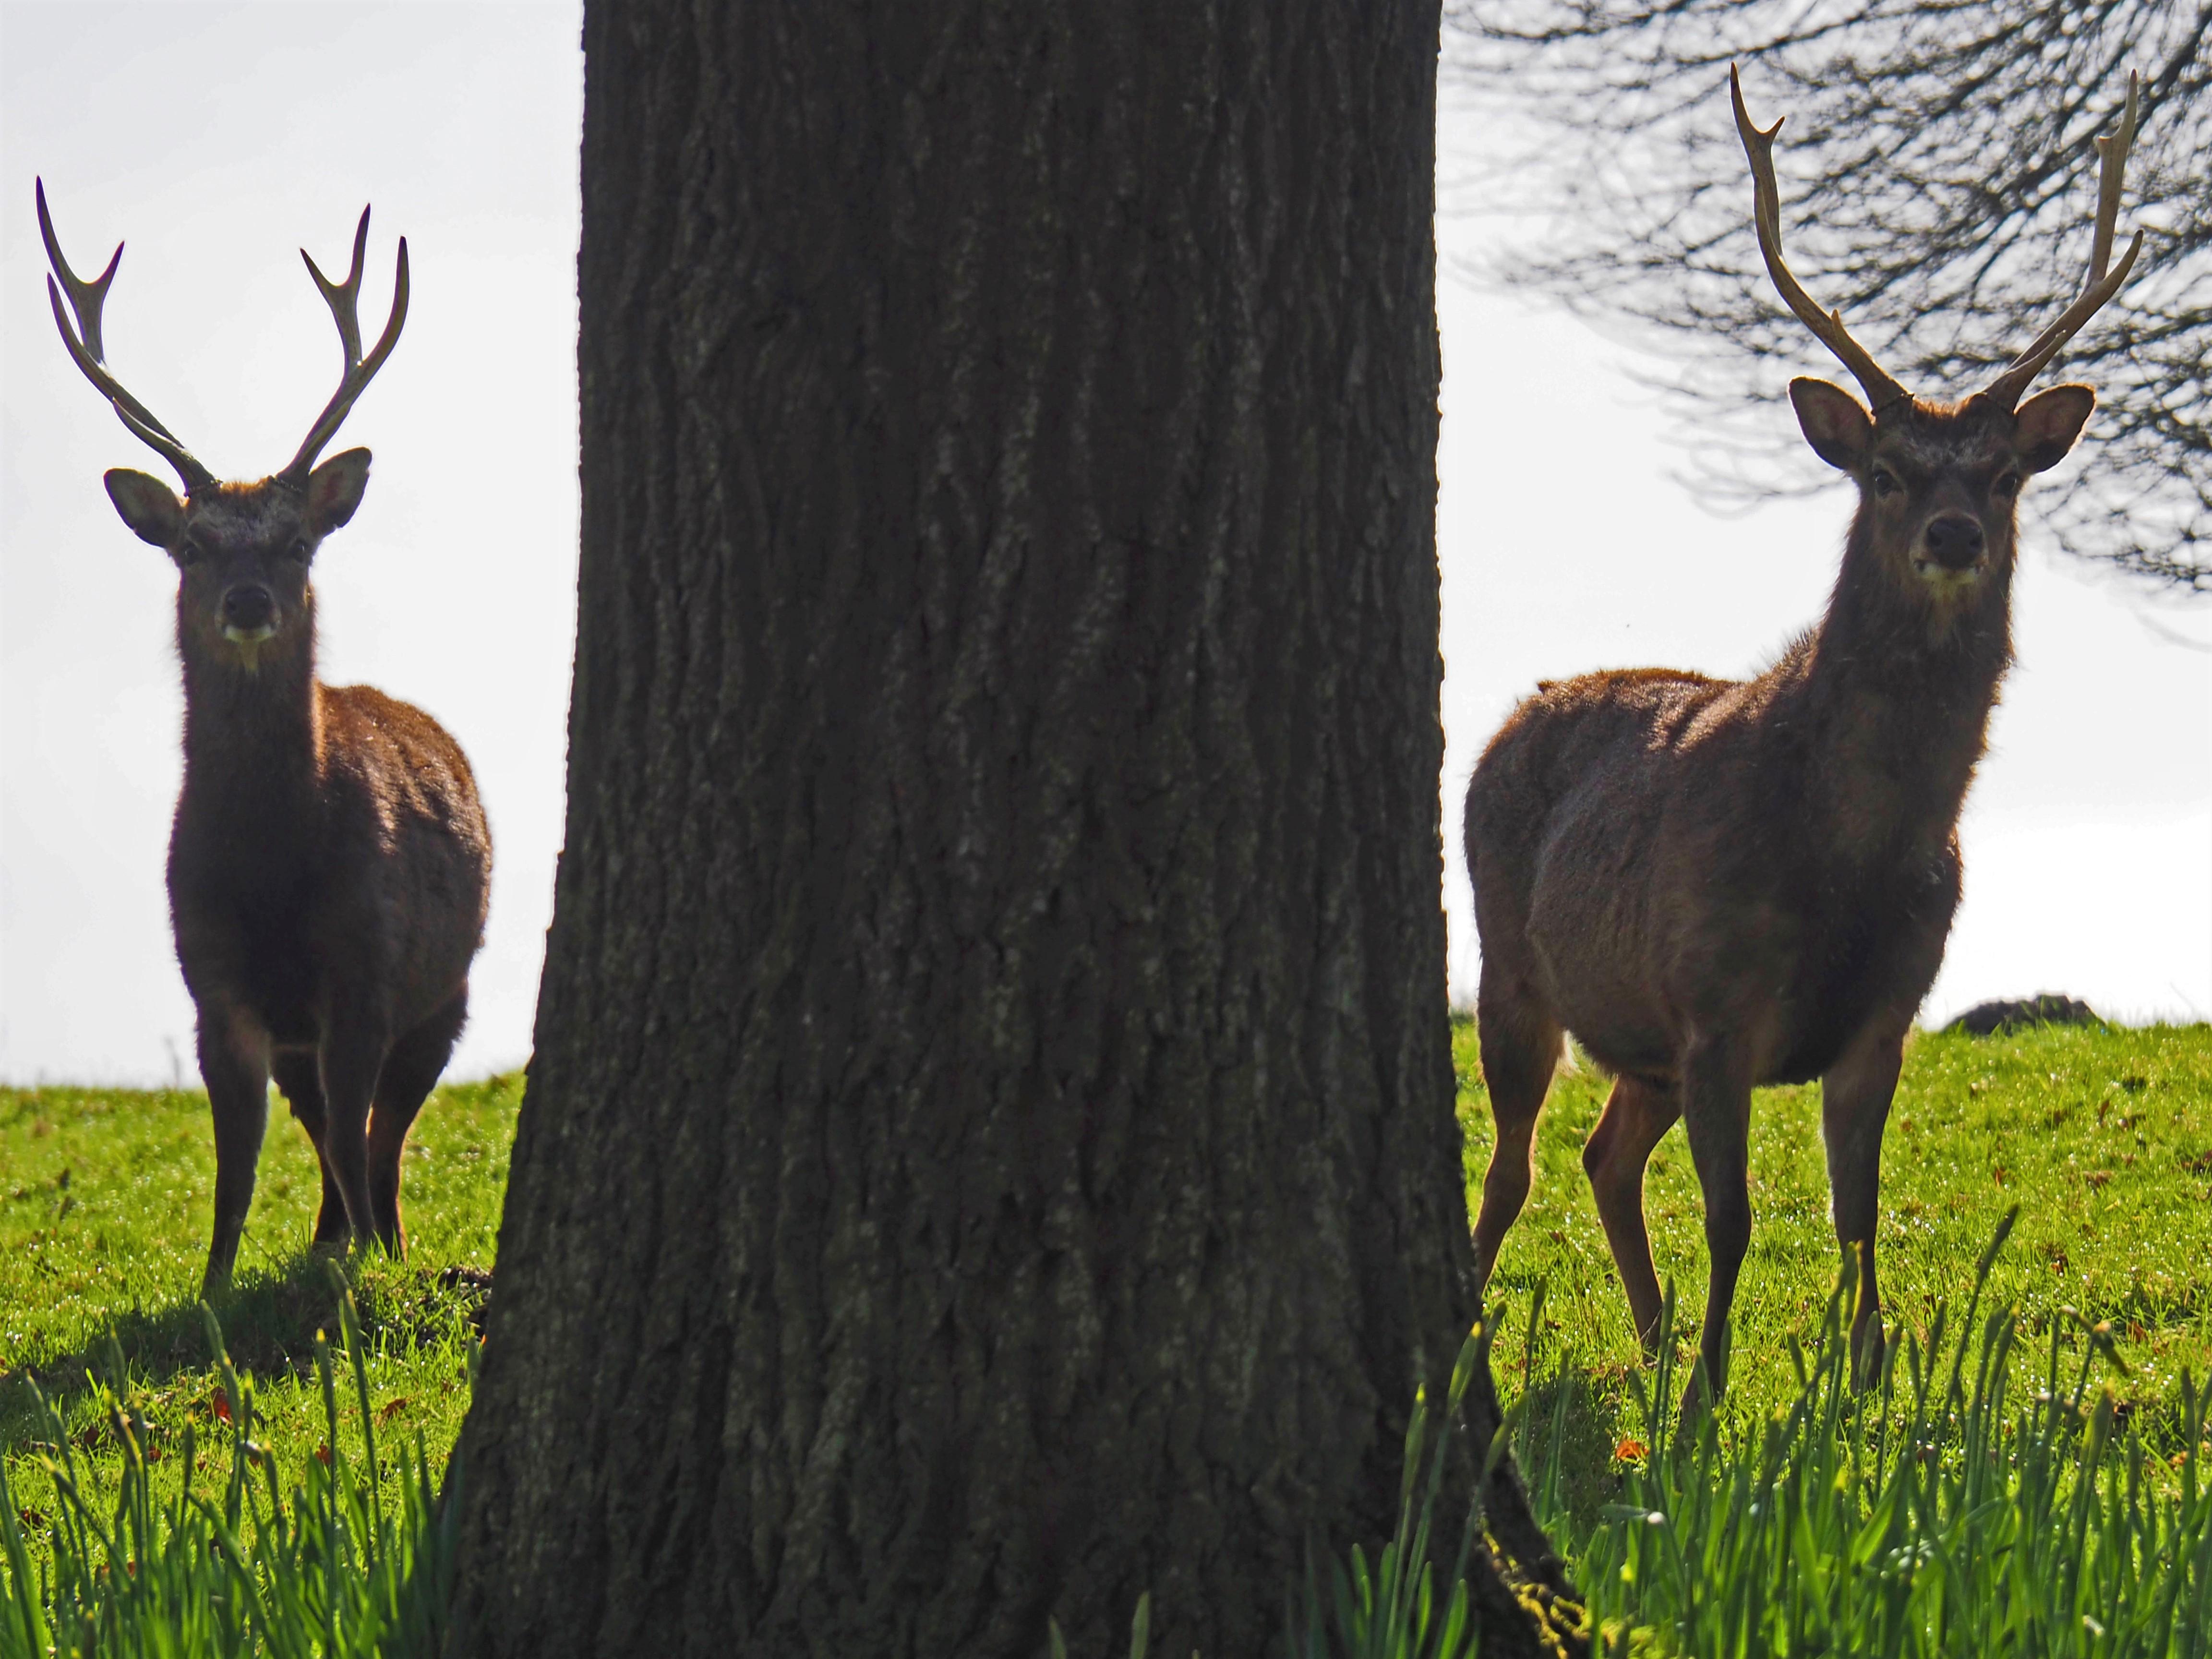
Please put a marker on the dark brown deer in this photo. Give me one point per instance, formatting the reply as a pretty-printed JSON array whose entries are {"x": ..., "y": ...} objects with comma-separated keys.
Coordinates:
[
  {"x": 330, "y": 864},
  {"x": 1714, "y": 885}
]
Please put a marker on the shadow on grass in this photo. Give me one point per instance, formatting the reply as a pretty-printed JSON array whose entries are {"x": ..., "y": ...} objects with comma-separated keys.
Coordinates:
[
  {"x": 270, "y": 1322},
  {"x": 1567, "y": 1451}
]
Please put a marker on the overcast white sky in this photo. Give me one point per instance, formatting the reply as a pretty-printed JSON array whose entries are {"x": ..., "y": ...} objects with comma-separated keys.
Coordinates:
[{"x": 217, "y": 139}]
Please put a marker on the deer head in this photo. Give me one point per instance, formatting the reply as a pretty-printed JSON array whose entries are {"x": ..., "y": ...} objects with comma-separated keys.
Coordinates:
[
  {"x": 242, "y": 551},
  {"x": 1939, "y": 483}
]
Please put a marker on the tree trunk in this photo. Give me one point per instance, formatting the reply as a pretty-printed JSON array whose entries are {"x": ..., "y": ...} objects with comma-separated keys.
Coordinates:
[{"x": 989, "y": 1151}]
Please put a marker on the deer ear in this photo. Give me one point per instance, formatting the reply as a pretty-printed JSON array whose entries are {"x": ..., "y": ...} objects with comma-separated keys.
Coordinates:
[
  {"x": 334, "y": 491},
  {"x": 2049, "y": 423},
  {"x": 1839, "y": 431},
  {"x": 149, "y": 506}
]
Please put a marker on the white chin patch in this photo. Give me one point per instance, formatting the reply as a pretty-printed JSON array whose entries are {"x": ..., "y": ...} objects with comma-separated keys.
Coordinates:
[
  {"x": 249, "y": 641},
  {"x": 1945, "y": 581}
]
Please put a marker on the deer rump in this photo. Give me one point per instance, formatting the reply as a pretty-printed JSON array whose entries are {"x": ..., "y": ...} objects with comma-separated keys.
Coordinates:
[{"x": 1656, "y": 854}]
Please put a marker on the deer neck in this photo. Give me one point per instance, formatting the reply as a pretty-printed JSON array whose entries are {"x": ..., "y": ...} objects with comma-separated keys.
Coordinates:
[
  {"x": 1901, "y": 697},
  {"x": 253, "y": 734}
]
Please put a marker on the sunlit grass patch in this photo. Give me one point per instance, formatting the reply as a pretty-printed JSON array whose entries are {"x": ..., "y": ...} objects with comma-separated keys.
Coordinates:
[
  {"x": 214, "y": 1543},
  {"x": 2029, "y": 1477},
  {"x": 2103, "y": 1137},
  {"x": 106, "y": 1201},
  {"x": 1993, "y": 1495}
]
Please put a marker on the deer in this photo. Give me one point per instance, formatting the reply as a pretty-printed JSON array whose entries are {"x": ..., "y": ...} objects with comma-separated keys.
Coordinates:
[
  {"x": 330, "y": 865},
  {"x": 1716, "y": 884}
]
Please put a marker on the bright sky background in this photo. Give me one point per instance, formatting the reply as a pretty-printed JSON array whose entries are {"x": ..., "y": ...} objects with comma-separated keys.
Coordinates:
[{"x": 216, "y": 140}]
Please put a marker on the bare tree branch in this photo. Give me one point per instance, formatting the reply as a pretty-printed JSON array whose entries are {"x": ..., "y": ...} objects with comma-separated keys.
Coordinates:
[{"x": 1938, "y": 169}]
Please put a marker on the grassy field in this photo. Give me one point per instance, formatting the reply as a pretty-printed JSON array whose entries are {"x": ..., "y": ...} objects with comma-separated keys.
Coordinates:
[
  {"x": 1872, "y": 1520},
  {"x": 105, "y": 1204},
  {"x": 2102, "y": 1138}
]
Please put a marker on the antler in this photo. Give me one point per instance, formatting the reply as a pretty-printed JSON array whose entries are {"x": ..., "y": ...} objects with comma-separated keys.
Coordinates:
[
  {"x": 343, "y": 297},
  {"x": 85, "y": 349},
  {"x": 2097, "y": 288},
  {"x": 1766, "y": 216}
]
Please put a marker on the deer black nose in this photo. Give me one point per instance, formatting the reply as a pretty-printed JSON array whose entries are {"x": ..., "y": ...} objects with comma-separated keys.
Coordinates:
[
  {"x": 248, "y": 606},
  {"x": 1955, "y": 541}
]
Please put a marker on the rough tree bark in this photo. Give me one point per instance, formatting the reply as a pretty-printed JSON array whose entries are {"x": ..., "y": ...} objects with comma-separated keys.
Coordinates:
[{"x": 989, "y": 1150}]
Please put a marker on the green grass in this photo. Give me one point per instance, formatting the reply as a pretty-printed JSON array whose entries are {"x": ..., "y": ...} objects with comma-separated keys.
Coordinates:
[
  {"x": 1941, "y": 1513},
  {"x": 2102, "y": 1137},
  {"x": 2028, "y": 1479},
  {"x": 249, "y": 1561},
  {"x": 105, "y": 1200}
]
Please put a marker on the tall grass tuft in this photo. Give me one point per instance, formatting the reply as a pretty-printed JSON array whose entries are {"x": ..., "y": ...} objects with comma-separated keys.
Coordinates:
[
  {"x": 328, "y": 1568},
  {"x": 1398, "y": 1608},
  {"x": 1941, "y": 1512},
  {"x": 1937, "y": 1514},
  {"x": 1395, "y": 1607}
]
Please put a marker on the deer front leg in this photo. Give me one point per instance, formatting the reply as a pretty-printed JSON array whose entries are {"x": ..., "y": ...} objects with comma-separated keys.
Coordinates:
[
  {"x": 1716, "y": 1113},
  {"x": 1637, "y": 1114},
  {"x": 234, "y": 1051},
  {"x": 352, "y": 1057},
  {"x": 1855, "y": 1096}
]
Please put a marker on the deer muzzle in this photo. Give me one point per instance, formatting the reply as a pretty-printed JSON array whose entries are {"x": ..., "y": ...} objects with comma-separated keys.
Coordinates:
[
  {"x": 249, "y": 614},
  {"x": 1951, "y": 541}
]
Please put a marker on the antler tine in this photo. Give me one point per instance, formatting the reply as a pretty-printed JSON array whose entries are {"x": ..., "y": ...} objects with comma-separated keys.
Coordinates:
[
  {"x": 1767, "y": 216},
  {"x": 88, "y": 353},
  {"x": 343, "y": 300},
  {"x": 85, "y": 298},
  {"x": 2098, "y": 288}
]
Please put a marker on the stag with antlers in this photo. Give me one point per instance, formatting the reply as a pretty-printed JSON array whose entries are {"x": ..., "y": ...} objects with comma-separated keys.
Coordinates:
[
  {"x": 329, "y": 864},
  {"x": 1717, "y": 884}
]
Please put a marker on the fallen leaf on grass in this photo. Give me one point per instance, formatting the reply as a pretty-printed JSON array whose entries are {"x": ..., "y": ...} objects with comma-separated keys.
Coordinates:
[
  {"x": 222, "y": 1406},
  {"x": 391, "y": 1409}
]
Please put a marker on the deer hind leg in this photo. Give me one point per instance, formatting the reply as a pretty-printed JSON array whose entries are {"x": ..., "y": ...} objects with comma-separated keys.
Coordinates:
[
  {"x": 1855, "y": 1096},
  {"x": 410, "y": 1071},
  {"x": 302, "y": 1084},
  {"x": 1638, "y": 1115},
  {"x": 234, "y": 1051},
  {"x": 1716, "y": 1113},
  {"x": 1520, "y": 1051},
  {"x": 351, "y": 1059}
]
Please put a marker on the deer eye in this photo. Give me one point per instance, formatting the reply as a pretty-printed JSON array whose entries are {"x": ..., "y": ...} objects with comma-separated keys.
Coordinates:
[
  {"x": 190, "y": 552},
  {"x": 1885, "y": 481},
  {"x": 2008, "y": 484},
  {"x": 297, "y": 552}
]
